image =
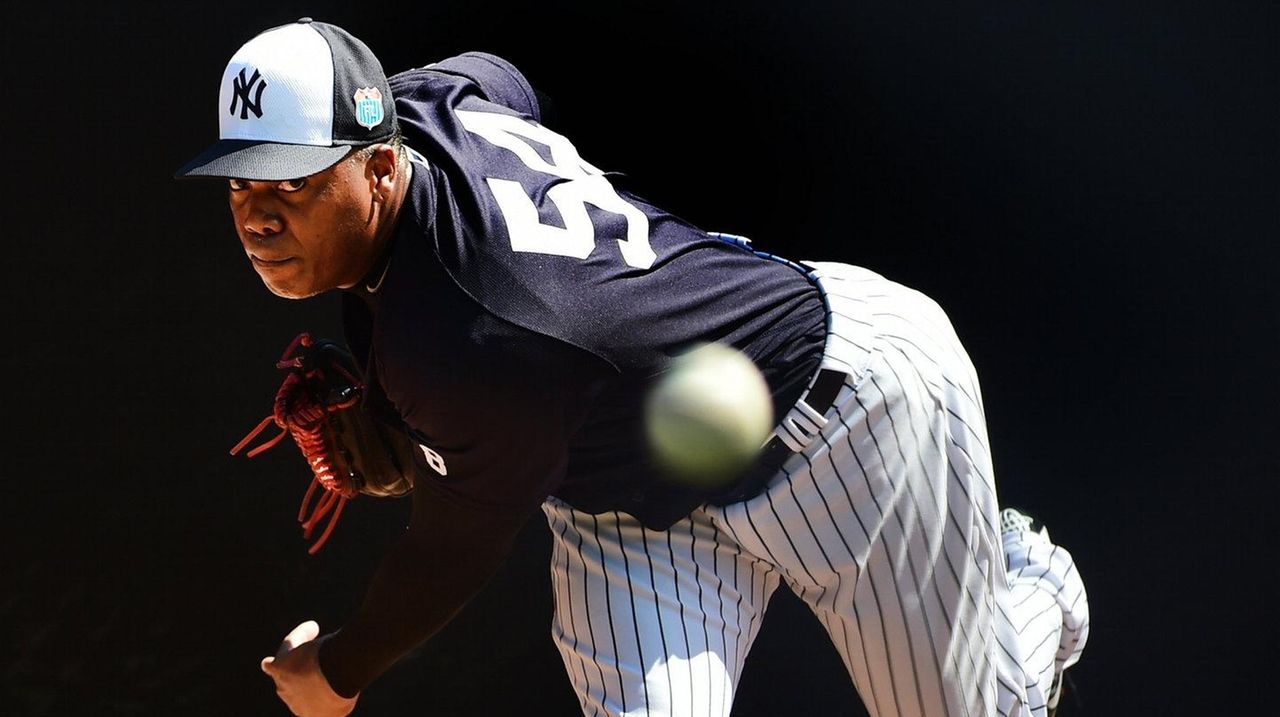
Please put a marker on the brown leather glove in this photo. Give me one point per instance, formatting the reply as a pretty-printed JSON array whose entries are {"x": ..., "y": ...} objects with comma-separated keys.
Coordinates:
[{"x": 348, "y": 450}]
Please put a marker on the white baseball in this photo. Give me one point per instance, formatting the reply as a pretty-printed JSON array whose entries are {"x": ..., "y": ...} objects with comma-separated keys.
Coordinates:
[{"x": 708, "y": 415}]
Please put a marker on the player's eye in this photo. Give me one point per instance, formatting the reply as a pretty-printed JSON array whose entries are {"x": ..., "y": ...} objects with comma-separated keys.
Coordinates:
[
  {"x": 292, "y": 185},
  {"x": 237, "y": 184}
]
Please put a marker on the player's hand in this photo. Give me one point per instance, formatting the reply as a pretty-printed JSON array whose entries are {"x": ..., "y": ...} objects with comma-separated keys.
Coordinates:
[{"x": 299, "y": 681}]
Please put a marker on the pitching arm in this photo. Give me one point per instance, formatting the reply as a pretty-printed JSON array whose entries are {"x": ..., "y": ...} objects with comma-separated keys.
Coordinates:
[
  {"x": 449, "y": 553},
  {"x": 502, "y": 451}
]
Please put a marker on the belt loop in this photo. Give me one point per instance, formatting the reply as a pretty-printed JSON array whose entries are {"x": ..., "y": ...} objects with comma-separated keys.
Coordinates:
[
  {"x": 805, "y": 421},
  {"x": 801, "y": 426}
]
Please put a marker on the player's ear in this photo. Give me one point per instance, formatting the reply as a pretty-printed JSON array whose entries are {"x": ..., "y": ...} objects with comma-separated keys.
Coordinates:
[{"x": 382, "y": 169}]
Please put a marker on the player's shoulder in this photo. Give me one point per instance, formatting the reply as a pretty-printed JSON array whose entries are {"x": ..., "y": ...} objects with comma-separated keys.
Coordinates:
[{"x": 493, "y": 77}]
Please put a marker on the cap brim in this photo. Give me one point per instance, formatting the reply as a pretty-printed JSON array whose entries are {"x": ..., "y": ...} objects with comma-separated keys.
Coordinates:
[{"x": 261, "y": 161}]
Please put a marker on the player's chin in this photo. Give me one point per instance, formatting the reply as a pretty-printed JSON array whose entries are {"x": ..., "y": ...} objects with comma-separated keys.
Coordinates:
[{"x": 287, "y": 280}]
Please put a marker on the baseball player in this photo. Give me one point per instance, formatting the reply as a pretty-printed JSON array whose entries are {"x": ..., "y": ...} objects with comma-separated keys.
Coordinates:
[{"x": 512, "y": 304}]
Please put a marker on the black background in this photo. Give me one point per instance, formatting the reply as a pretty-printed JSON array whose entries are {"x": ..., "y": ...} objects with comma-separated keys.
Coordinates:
[{"x": 1089, "y": 188}]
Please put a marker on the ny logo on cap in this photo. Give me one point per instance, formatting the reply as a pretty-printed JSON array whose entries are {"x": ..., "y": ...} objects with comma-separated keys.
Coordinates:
[
  {"x": 240, "y": 89},
  {"x": 368, "y": 107}
]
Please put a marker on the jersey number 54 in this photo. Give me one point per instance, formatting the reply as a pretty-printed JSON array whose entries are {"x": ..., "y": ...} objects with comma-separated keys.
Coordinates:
[{"x": 585, "y": 185}]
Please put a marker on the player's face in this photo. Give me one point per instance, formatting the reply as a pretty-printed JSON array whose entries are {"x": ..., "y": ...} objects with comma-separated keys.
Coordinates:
[{"x": 308, "y": 235}]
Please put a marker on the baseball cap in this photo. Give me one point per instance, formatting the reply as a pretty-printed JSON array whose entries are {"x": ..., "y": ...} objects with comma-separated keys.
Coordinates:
[{"x": 293, "y": 101}]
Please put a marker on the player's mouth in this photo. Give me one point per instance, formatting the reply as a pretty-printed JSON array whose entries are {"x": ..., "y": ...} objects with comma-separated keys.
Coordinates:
[{"x": 270, "y": 263}]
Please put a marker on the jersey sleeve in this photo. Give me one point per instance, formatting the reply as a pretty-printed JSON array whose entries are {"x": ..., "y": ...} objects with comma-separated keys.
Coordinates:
[
  {"x": 496, "y": 426},
  {"x": 494, "y": 416},
  {"x": 499, "y": 81},
  {"x": 447, "y": 555}
]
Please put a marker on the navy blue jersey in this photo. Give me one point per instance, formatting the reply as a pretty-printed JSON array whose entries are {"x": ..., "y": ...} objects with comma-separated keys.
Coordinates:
[
  {"x": 529, "y": 302},
  {"x": 524, "y": 306}
]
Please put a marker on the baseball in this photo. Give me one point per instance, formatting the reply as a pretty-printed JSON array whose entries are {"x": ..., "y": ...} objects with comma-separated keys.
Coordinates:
[{"x": 708, "y": 415}]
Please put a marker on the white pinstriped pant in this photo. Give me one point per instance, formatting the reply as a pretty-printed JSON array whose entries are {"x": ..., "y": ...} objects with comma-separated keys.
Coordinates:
[{"x": 885, "y": 525}]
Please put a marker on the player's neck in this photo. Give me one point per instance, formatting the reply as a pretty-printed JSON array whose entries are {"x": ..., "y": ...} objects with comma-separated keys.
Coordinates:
[
  {"x": 388, "y": 218},
  {"x": 390, "y": 215}
]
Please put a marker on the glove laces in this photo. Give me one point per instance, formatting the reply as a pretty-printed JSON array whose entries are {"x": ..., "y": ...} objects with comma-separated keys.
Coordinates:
[{"x": 299, "y": 412}]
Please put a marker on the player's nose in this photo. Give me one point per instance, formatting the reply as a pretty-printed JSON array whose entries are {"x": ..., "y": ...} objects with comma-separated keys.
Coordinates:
[{"x": 260, "y": 221}]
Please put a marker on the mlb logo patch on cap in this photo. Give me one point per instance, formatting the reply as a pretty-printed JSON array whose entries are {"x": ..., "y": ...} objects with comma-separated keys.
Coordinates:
[
  {"x": 368, "y": 107},
  {"x": 293, "y": 101}
]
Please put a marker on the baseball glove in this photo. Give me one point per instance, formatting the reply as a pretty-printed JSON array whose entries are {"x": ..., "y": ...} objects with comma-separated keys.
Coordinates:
[{"x": 349, "y": 451}]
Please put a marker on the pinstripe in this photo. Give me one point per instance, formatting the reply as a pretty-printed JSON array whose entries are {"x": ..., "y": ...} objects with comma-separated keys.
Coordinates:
[
  {"x": 950, "y": 620},
  {"x": 738, "y": 656},
  {"x": 807, "y": 524},
  {"x": 657, "y": 608},
  {"x": 697, "y": 576},
  {"x": 748, "y": 621},
  {"x": 1048, "y": 578},
  {"x": 924, "y": 610},
  {"x": 930, "y": 357},
  {"x": 941, "y": 333},
  {"x": 985, "y": 606},
  {"x": 863, "y": 469},
  {"x": 586, "y": 601},
  {"x": 782, "y": 525},
  {"x": 971, "y": 550},
  {"x": 986, "y": 481},
  {"x": 951, "y": 467},
  {"x": 850, "y": 318},
  {"x": 1056, "y": 629},
  {"x": 567, "y": 605},
  {"x": 1027, "y": 564},
  {"x": 569, "y": 519},
  {"x": 884, "y": 625},
  {"x": 845, "y": 647},
  {"x": 988, "y": 606},
  {"x": 684, "y": 624},
  {"x": 848, "y": 341},
  {"x": 769, "y": 579},
  {"x": 871, "y": 579},
  {"x": 1031, "y": 592},
  {"x": 608, "y": 604},
  {"x": 960, "y": 419},
  {"x": 900, "y": 345},
  {"x": 586, "y": 598},
  {"x": 586, "y": 604},
  {"x": 953, "y": 347},
  {"x": 906, "y": 623},
  {"x": 1012, "y": 656},
  {"x": 724, "y": 642},
  {"x": 763, "y": 543},
  {"x": 954, "y": 479},
  {"x": 1079, "y": 593},
  {"x": 635, "y": 620}
]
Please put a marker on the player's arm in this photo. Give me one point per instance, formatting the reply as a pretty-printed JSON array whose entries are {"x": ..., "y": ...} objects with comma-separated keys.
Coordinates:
[
  {"x": 507, "y": 451},
  {"x": 447, "y": 555}
]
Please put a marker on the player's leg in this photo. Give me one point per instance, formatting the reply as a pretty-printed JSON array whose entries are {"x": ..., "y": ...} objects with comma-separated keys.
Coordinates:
[
  {"x": 910, "y": 603},
  {"x": 865, "y": 544},
  {"x": 1047, "y": 603},
  {"x": 653, "y": 622},
  {"x": 885, "y": 525}
]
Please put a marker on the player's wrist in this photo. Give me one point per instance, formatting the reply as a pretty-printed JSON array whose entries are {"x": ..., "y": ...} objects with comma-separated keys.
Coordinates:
[{"x": 329, "y": 661}]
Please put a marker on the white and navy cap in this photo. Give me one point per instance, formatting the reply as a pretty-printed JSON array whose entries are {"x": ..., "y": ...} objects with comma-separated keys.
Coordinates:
[{"x": 293, "y": 101}]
